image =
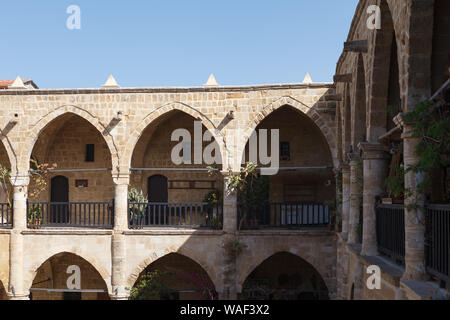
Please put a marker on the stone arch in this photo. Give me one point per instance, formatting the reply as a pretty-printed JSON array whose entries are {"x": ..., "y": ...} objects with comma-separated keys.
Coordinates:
[
  {"x": 42, "y": 123},
  {"x": 258, "y": 260},
  {"x": 380, "y": 73},
  {"x": 358, "y": 105},
  {"x": 346, "y": 122},
  {"x": 10, "y": 152},
  {"x": 297, "y": 105},
  {"x": 163, "y": 110},
  {"x": 32, "y": 271},
  {"x": 132, "y": 278}
]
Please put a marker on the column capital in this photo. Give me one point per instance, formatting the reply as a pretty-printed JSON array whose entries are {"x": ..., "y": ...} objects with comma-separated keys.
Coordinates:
[
  {"x": 20, "y": 180},
  {"x": 228, "y": 173},
  {"x": 345, "y": 167},
  {"x": 374, "y": 150},
  {"x": 408, "y": 132},
  {"x": 353, "y": 158},
  {"x": 121, "y": 178}
]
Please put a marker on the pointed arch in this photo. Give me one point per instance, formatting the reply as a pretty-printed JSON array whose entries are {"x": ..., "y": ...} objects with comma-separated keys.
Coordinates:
[
  {"x": 32, "y": 271},
  {"x": 358, "y": 105},
  {"x": 163, "y": 110},
  {"x": 259, "y": 260},
  {"x": 378, "y": 90},
  {"x": 43, "y": 122},
  {"x": 133, "y": 277},
  {"x": 315, "y": 117},
  {"x": 10, "y": 152}
]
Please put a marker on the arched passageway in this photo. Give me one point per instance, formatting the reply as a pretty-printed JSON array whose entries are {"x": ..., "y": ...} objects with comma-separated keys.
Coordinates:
[
  {"x": 174, "y": 277},
  {"x": 80, "y": 190},
  {"x": 66, "y": 276},
  {"x": 302, "y": 192},
  {"x": 169, "y": 166},
  {"x": 284, "y": 276}
]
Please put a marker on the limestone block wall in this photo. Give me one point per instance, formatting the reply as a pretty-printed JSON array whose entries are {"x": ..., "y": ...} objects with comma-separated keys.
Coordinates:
[
  {"x": 316, "y": 248},
  {"x": 93, "y": 247},
  {"x": 140, "y": 107}
]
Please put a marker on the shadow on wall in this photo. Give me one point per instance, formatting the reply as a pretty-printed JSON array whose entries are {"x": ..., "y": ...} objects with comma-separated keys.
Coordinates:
[
  {"x": 284, "y": 276},
  {"x": 64, "y": 276}
]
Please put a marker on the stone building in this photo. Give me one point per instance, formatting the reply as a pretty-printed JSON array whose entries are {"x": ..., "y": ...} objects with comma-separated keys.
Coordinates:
[{"x": 106, "y": 141}]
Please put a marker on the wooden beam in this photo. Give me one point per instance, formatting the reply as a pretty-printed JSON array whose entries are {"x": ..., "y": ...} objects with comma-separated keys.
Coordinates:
[
  {"x": 343, "y": 78},
  {"x": 356, "y": 46}
]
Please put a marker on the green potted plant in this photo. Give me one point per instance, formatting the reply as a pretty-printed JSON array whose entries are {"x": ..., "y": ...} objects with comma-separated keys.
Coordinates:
[
  {"x": 213, "y": 198},
  {"x": 35, "y": 217},
  {"x": 137, "y": 202}
]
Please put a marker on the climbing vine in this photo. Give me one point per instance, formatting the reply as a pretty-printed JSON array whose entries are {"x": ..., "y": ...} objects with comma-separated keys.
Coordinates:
[{"x": 430, "y": 122}]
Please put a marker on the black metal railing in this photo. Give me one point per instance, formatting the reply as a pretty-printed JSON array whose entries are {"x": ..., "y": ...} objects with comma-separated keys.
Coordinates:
[
  {"x": 70, "y": 214},
  {"x": 282, "y": 215},
  {"x": 178, "y": 215},
  {"x": 6, "y": 215},
  {"x": 391, "y": 231},
  {"x": 438, "y": 241}
]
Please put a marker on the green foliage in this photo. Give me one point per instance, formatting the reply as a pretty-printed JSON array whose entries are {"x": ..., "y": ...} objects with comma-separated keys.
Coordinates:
[
  {"x": 234, "y": 248},
  {"x": 150, "y": 286},
  {"x": 396, "y": 184},
  {"x": 39, "y": 174},
  {"x": 393, "y": 110},
  {"x": 432, "y": 127},
  {"x": 5, "y": 178},
  {"x": 35, "y": 214},
  {"x": 213, "y": 197},
  {"x": 135, "y": 196}
]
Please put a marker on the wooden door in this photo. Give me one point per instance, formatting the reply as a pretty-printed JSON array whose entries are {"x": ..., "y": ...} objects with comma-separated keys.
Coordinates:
[{"x": 59, "y": 207}]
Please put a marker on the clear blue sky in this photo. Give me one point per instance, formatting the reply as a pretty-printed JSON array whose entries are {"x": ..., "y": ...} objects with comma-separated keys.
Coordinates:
[{"x": 173, "y": 42}]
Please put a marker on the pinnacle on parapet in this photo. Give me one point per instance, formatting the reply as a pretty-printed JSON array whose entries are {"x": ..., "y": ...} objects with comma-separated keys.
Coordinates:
[
  {"x": 211, "y": 82},
  {"x": 307, "y": 79},
  {"x": 17, "y": 84},
  {"x": 111, "y": 83}
]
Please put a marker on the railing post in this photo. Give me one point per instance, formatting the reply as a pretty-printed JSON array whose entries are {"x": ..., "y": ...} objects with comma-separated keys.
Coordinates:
[
  {"x": 375, "y": 160},
  {"x": 17, "y": 290},
  {"x": 414, "y": 216},
  {"x": 118, "y": 243}
]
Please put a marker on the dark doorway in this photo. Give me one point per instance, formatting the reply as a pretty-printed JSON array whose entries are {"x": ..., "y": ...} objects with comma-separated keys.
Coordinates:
[
  {"x": 157, "y": 189},
  {"x": 72, "y": 296},
  {"x": 59, "y": 207},
  {"x": 157, "y": 193}
]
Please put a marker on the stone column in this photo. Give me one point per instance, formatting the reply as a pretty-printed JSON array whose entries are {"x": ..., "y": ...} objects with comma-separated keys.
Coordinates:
[
  {"x": 355, "y": 193},
  {"x": 118, "y": 241},
  {"x": 345, "y": 199},
  {"x": 121, "y": 183},
  {"x": 414, "y": 218},
  {"x": 230, "y": 216},
  {"x": 230, "y": 226},
  {"x": 17, "y": 290},
  {"x": 337, "y": 174},
  {"x": 375, "y": 166}
]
